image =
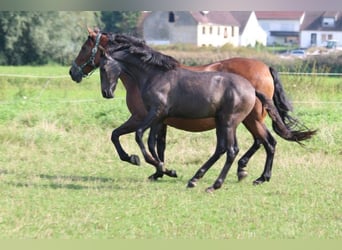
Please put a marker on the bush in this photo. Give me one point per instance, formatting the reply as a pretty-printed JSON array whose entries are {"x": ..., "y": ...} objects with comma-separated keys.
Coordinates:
[{"x": 192, "y": 55}]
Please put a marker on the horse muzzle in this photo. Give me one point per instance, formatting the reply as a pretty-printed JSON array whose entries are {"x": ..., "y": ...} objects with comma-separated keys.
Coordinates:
[
  {"x": 107, "y": 94},
  {"x": 76, "y": 74}
]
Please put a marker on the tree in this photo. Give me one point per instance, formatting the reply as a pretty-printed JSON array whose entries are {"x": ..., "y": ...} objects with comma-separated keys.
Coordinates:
[
  {"x": 40, "y": 37},
  {"x": 120, "y": 21},
  {"x": 33, "y": 37},
  {"x": 71, "y": 33},
  {"x": 14, "y": 28}
]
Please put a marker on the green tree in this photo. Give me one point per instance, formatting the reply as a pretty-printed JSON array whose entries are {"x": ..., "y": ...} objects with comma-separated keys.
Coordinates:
[
  {"x": 33, "y": 37},
  {"x": 14, "y": 28},
  {"x": 71, "y": 33},
  {"x": 120, "y": 21},
  {"x": 36, "y": 37}
]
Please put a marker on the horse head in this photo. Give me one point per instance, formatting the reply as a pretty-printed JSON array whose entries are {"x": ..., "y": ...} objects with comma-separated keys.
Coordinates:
[
  {"x": 109, "y": 74},
  {"x": 88, "y": 59}
]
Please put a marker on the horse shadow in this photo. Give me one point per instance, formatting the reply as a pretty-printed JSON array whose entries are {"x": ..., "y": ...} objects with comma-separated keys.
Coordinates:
[
  {"x": 79, "y": 182},
  {"x": 73, "y": 182}
]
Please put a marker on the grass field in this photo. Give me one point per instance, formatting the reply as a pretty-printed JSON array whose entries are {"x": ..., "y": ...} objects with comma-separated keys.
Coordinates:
[{"x": 61, "y": 178}]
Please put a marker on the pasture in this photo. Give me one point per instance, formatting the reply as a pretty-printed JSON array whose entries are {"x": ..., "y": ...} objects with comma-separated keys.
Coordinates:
[{"x": 60, "y": 177}]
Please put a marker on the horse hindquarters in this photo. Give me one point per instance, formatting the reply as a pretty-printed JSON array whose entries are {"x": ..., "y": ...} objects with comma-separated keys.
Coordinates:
[
  {"x": 221, "y": 148},
  {"x": 226, "y": 143},
  {"x": 227, "y": 120}
]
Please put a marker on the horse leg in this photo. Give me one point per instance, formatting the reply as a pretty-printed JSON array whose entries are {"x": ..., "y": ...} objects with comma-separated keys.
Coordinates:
[
  {"x": 220, "y": 149},
  {"x": 150, "y": 120},
  {"x": 128, "y": 127},
  {"x": 158, "y": 137},
  {"x": 232, "y": 150},
  {"x": 152, "y": 139},
  {"x": 242, "y": 163},
  {"x": 161, "y": 142},
  {"x": 252, "y": 123},
  {"x": 269, "y": 143}
]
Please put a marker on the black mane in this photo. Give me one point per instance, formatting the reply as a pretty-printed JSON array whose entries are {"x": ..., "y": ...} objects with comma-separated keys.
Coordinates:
[{"x": 138, "y": 47}]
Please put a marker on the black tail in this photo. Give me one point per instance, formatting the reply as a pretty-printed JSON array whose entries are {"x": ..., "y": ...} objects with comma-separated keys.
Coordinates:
[
  {"x": 283, "y": 124},
  {"x": 280, "y": 100}
]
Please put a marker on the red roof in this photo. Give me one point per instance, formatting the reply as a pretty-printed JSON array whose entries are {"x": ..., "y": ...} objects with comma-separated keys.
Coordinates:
[{"x": 279, "y": 15}]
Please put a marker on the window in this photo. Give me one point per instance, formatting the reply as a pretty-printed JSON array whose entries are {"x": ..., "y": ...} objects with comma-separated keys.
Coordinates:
[
  {"x": 210, "y": 30},
  {"x": 171, "y": 17},
  {"x": 233, "y": 29},
  {"x": 203, "y": 30},
  {"x": 328, "y": 22},
  {"x": 218, "y": 31},
  {"x": 324, "y": 37},
  {"x": 313, "y": 39},
  {"x": 225, "y": 33}
]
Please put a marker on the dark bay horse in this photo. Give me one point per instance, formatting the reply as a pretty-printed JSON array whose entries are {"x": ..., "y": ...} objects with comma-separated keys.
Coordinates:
[
  {"x": 168, "y": 90},
  {"x": 263, "y": 78}
]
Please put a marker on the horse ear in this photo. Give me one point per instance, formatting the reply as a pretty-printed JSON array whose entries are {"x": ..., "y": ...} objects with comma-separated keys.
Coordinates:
[{"x": 90, "y": 30}]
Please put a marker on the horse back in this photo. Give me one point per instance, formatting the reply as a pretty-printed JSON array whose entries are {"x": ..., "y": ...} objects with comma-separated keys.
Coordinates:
[
  {"x": 253, "y": 70},
  {"x": 203, "y": 94}
]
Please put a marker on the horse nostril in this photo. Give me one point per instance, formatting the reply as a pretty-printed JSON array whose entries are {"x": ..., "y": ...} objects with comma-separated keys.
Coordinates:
[{"x": 107, "y": 94}]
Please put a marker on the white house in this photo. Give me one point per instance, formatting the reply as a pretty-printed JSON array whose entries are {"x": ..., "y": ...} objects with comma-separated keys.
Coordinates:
[
  {"x": 202, "y": 28},
  {"x": 250, "y": 30},
  {"x": 319, "y": 27},
  {"x": 282, "y": 27}
]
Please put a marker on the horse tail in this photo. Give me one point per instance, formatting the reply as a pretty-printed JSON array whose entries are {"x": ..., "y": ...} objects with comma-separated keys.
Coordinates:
[
  {"x": 290, "y": 133},
  {"x": 280, "y": 100}
]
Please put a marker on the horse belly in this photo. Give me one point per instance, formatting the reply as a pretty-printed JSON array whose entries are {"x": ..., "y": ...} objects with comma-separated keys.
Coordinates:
[{"x": 191, "y": 125}]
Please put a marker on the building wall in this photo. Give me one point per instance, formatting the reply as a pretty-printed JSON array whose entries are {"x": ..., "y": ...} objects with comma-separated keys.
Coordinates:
[
  {"x": 278, "y": 25},
  {"x": 322, "y": 36},
  {"x": 253, "y": 33},
  {"x": 184, "y": 29},
  {"x": 217, "y": 35},
  {"x": 157, "y": 29}
]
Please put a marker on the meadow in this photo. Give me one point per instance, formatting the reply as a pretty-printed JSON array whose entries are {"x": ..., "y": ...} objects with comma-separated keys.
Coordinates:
[{"x": 60, "y": 177}]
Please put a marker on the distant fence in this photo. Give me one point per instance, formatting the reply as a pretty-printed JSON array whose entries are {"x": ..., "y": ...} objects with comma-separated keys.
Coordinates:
[
  {"x": 68, "y": 76},
  {"x": 33, "y": 76},
  {"x": 123, "y": 98},
  {"x": 310, "y": 74}
]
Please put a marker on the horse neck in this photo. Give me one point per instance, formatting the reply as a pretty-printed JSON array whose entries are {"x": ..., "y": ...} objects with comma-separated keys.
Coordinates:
[
  {"x": 134, "y": 72},
  {"x": 135, "y": 75},
  {"x": 128, "y": 82}
]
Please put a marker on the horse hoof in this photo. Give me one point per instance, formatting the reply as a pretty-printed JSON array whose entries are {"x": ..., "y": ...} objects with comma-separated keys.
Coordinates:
[
  {"x": 155, "y": 177},
  {"x": 152, "y": 178},
  {"x": 134, "y": 159},
  {"x": 260, "y": 180},
  {"x": 210, "y": 190},
  {"x": 257, "y": 182},
  {"x": 191, "y": 184},
  {"x": 173, "y": 174},
  {"x": 242, "y": 175}
]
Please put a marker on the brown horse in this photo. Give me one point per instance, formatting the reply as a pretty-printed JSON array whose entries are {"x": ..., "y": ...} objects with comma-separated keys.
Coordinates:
[{"x": 263, "y": 78}]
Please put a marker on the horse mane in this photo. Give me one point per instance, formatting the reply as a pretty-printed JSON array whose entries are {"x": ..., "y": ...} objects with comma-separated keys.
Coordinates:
[{"x": 138, "y": 47}]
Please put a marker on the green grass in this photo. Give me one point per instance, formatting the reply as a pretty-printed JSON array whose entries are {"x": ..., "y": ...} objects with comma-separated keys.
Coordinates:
[{"x": 61, "y": 178}]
